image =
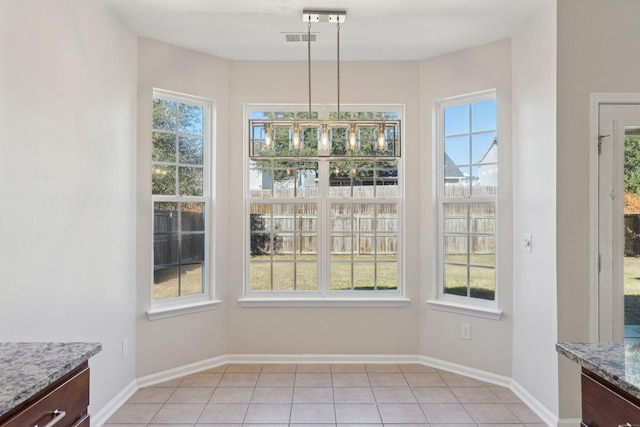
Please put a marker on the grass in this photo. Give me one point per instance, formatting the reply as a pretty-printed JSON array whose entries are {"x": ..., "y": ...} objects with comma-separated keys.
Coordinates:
[
  {"x": 166, "y": 282},
  {"x": 363, "y": 275},
  {"x": 482, "y": 280}
]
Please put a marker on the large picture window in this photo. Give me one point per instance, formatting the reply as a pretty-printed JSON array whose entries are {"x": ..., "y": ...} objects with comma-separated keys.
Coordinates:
[
  {"x": 181, "y": 196},
  {"x": 467, "y": 195},
  {"x": 324, "y": 225}
]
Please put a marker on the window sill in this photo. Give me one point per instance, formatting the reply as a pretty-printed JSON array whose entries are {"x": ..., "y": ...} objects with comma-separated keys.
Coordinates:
[
  {"x": 180, "y": 309},
  {"x": 324, "y": 302},
  {"x": 466, "y": 309}
]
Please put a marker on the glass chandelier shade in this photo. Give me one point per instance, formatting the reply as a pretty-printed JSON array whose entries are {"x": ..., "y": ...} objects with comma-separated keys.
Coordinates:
[{"x": 324, "y": 138}]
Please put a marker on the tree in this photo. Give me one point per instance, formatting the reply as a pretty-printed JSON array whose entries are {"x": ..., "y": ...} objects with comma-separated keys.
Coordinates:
[
  {"x": 280, "y": 165},
  {"x": 632, "y": 164},
  {"x": 177, "y": 149}
]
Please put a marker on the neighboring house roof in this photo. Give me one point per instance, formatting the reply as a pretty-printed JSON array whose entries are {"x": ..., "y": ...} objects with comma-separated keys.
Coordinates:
[
  {"x": 451, "y": 169},
  {"x": 494, "y": 143}
]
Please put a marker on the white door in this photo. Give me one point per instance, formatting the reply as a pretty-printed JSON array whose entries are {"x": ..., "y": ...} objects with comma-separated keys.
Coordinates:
[{"x": 618, "y": 245}]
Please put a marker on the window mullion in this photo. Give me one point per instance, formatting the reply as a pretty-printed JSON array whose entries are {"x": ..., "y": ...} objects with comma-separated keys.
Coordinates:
[
  {"x": 319, "y": 198},
  {"x": 471, "y": 119},
  {"x": 324, "y": 230},
  {"x": 178, "y": 116}
]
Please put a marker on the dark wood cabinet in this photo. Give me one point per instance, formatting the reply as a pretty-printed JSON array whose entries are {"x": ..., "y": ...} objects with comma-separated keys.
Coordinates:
[
  {"x": 606, "y": 405},
  {"x": 66, "y": 400}
]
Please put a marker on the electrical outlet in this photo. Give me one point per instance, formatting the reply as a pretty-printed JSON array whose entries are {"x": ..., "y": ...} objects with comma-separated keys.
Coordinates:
[
  {"x": 465, "y": 331},
  {"x": 125, "y": 347}
]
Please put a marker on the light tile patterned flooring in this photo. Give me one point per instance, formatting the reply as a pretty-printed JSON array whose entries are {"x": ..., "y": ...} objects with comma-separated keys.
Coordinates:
[{"x": 324, "y": 395}]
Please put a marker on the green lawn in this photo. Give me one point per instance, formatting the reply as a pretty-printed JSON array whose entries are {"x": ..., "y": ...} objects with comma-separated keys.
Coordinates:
[
  {"x": 306, "y": 273},
  {"x": 166, "y": 285},
  {"x": 482, "y": 280},
  {"x": 364, "y": 276}
]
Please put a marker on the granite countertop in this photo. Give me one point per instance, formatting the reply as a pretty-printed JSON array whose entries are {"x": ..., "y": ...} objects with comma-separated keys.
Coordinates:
[
  {"x": 615, "y": 362},
  {"x": 27, "y": 368}
]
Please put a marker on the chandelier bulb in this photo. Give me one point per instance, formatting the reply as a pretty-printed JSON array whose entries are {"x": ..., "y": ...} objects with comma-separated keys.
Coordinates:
[
  {"x": 296, "y": 137},
  {"x": 381, "y": 138},
  {"x": 353, "y": 140},
  {"x": 324, "y": 138},
  {"x": 267, "y": 136}
]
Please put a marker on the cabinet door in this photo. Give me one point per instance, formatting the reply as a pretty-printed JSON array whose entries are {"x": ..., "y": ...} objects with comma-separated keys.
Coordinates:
[
  {"x": 604, "y": 406},
  {"x": 70, "y": 397}
]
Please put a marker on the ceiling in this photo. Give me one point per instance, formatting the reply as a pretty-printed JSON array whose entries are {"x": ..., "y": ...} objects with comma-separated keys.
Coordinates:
[{"x": 374, "y": 30}]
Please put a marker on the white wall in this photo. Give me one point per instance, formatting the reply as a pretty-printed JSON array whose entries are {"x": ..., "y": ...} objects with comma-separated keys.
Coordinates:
[
  {"x": 345, "y": 330},
  {"x": 534, "y": 208},
  {"x": 67, "y": 181},
  {"x": 473, "y": 70},
  {"x": 596, "y": 44},
  {"x": 202, "y": 335}
]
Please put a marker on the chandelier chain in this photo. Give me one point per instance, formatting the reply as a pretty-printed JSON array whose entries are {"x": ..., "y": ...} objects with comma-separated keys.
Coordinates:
[
  {"x": 338, "y": 62},
  {"x": 309, "y": 61}
]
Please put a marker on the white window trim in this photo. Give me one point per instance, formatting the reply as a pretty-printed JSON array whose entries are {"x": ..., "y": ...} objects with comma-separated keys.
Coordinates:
[
  {"x": 439, "y": 300},
  {"x": 160, "y": 309},
  {"x": 323, "y": 297},
  {"x": 323, "y": 302}
]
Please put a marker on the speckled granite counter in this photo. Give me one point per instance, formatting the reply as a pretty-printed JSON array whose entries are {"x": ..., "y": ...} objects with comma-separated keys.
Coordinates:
[
  {"x": 617, "y": 363},
  {"x": 27, "y": 368}
]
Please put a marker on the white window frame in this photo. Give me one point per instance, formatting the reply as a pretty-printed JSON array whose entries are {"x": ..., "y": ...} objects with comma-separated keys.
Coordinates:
[
  {"x": 447, "y": 302},
  {"x": 205, "y": 301},
  {"x": 324, "y": 296}
]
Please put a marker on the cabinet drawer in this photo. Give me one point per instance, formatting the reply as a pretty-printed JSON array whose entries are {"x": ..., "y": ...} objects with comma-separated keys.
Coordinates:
[
  {"x": 82, "y": 422},
  {"x": 605, "y": 405},
  {"x": 71, "y": 396}
]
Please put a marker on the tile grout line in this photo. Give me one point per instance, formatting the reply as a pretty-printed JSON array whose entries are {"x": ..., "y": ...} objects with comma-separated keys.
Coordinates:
[{"x": 337, "y": 372}]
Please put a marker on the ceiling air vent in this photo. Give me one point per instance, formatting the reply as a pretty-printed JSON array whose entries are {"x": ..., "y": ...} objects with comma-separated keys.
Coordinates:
[{"x": 300, "y": 37}]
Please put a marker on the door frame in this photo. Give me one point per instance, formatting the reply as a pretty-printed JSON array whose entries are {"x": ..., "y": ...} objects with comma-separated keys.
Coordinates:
[{"x": 595, "y": 100}]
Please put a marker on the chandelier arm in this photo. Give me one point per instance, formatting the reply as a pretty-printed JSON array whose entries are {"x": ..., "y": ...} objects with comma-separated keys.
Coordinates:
[
  {"x": 309, "y": 61},
  {"x": 338, "y": 65}
]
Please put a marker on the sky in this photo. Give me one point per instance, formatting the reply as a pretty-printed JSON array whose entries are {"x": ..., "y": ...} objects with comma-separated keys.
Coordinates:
[{"x": 469, "y": 130}]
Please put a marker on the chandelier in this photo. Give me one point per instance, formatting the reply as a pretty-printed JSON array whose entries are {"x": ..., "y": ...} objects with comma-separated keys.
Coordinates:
[{"x": 307, "y": 136}]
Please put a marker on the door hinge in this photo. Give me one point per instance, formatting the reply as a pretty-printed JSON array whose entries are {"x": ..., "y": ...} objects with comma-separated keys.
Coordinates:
[
  {"x": 599, "y": 263},
  {"x": 600, "y": 142}
]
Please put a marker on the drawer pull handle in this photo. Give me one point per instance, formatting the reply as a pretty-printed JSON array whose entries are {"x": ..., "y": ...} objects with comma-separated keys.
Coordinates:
[
  {"x": 57, "y": 416},
  {"x": 628, "y": 425}
]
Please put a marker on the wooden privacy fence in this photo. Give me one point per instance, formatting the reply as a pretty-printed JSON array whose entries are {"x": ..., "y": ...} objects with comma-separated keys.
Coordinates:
[
  {"x": 632, "y": 235},
  {"x": 359, "y": 228},
  {"x": 337, "y": 192},
  {"x": 478, "y": 242},
  {"x": 470, "y": 225},
  {"x": 359, "y": 233},
  {"x": 168, "y": 247}
]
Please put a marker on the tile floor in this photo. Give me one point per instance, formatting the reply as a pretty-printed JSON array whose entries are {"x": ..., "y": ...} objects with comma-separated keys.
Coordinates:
[{"x": 324, "y": 395}]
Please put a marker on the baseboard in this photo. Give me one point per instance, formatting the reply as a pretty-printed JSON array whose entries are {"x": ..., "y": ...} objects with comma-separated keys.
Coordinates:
[
  {"x": 322, "y": 358},
  {"x": 487, "y": 377},
  {"x": 114, "y": 404},
  {"x": 182, "y": 371},
  {"x": 214, "y": 362},
  {"x": 540, "y": 410}
]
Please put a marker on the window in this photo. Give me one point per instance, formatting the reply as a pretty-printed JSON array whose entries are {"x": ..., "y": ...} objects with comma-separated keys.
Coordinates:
[
  {"x": 324, "y": 226},
  {"x": 181, "y": 196},
  {"x": 467, "y": 194}
]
